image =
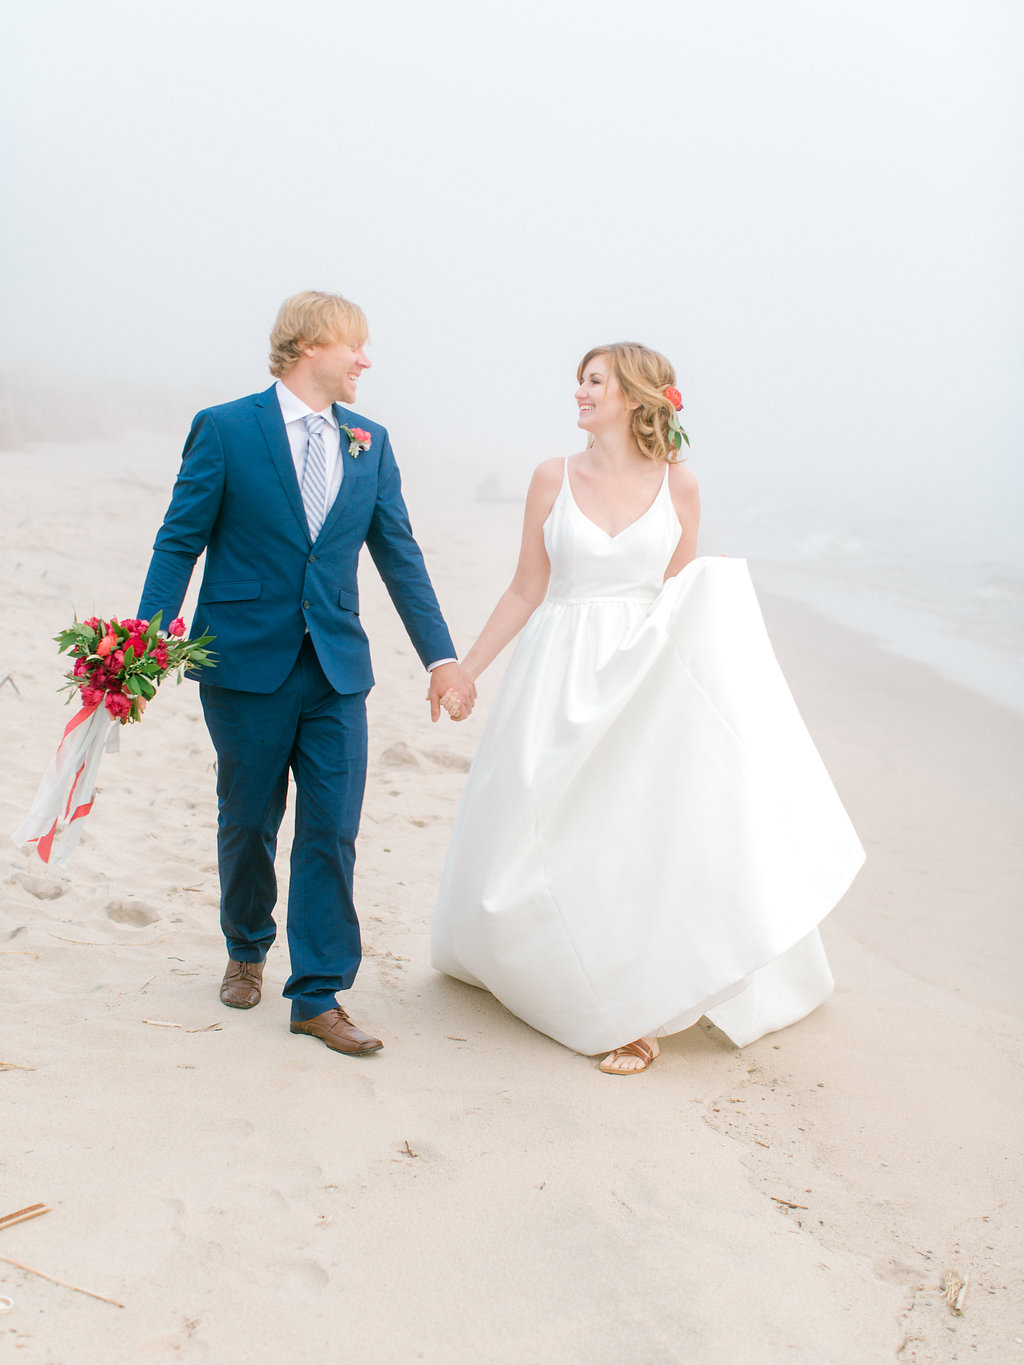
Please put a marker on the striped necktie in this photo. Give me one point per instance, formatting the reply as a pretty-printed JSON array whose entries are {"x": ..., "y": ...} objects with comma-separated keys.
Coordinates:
[{"x": 314, "y": 474}]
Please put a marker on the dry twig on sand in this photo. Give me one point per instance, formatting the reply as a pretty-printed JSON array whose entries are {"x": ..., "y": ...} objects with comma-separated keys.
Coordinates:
[
  {"x": 23, "y": 1215},
  {"x": 955, "y": 1291},
  {"x": 33, "y": 1211},
  {"x": 63, "y": 1283},
  {"x": 95, "y": 943}
]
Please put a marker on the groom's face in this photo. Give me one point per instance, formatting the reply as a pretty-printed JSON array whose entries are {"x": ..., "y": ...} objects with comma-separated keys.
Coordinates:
[{"x": 337, "y": 368}]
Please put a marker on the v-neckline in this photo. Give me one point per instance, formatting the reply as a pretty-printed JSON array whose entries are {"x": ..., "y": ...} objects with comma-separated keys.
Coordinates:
[{"x": 607, "y": 534}]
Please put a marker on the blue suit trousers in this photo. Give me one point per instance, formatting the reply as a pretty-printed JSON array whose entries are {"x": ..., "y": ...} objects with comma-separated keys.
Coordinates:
[{"x": 319, "y": 735}]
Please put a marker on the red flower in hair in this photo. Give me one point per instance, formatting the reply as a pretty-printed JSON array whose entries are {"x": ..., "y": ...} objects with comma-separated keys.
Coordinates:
[{"x": 676, "y": 434}]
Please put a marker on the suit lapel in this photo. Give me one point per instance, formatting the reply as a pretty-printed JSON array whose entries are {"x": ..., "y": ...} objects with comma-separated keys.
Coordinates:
[
  {"x": 351, "y": 472},
  {"x": 268, "y": 415}
]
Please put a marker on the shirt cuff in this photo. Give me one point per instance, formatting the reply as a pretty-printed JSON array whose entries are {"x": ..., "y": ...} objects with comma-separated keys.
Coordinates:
[{"x": 438, "y": 662}]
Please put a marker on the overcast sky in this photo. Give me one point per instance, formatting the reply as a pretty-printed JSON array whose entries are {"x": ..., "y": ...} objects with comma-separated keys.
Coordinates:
[{"x": 813, "y": 209}]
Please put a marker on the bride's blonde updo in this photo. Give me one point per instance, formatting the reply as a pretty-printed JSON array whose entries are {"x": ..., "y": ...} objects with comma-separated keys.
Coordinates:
[{"x": 643, "y": 376}]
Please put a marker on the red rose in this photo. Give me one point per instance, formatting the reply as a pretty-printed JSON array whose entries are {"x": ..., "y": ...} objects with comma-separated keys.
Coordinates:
[
  {"x": 116, "y": 661},
  {"x": 92, "y": 696},
  {"x": 80, "y": 669},
  {"x": 159, "y": 652},
  {"x": 358, "y": 434},
  {"x": 118, "y": 704},
  {"x": 176, "y": 628},
  {"x": 106, "y": 645},
  {"x": 674, "y": 397},
  {"x": 137, "y": 643}
]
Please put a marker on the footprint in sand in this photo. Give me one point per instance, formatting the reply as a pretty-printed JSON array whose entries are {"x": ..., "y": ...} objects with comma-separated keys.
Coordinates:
[
  {"x": 450, "y": 762},
  {"x": 305, "y": 1277},
  {"x": 40, "y": 887},
  {"x": 132, "y": 912},
  {"x": 399, "y": 755}
]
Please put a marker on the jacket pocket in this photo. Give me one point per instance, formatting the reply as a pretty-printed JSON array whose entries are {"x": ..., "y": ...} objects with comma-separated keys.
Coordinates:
[
  {"x": 231, "y": 592},
  {"x": 348, "y": 600}
]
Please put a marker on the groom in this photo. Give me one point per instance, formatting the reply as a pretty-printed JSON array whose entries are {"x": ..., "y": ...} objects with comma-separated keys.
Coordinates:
[{"x": 282, "y": 489}]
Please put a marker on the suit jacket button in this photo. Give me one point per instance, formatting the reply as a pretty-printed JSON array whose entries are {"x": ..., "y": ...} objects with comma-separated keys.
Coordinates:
[
  {"x": 312, "y": 559},
  {"x": 305, "y": 605}
]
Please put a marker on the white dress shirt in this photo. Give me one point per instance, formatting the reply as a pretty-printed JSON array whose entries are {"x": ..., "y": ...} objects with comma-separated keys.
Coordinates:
[{"x": 294, "y": 410}]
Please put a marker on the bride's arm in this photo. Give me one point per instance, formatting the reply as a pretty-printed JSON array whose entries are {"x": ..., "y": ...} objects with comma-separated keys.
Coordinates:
[
  {"x": 530, "y": 581},
  {"x": 682, "y": 484}
]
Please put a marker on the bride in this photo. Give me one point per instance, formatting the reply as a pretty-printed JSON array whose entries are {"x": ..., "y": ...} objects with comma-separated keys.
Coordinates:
[{"x": 647, "y": 834}]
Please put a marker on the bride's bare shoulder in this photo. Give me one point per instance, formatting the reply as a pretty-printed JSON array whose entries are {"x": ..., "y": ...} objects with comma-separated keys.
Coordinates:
[
  {"x": 549, "y": 471},
  {"x": 681, "y": 477},
  {"x": 682, "y": 485},
  {"x": 544, "y": 486}
]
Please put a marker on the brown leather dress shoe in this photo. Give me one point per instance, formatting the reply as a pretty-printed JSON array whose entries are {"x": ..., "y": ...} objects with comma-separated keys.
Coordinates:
[
  {"x": 337, "y": 1030},
  {"x": 242, "y": 984}
]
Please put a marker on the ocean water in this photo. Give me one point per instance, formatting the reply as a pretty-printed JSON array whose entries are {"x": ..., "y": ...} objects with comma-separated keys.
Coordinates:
[{"x": 961, "y": 615}]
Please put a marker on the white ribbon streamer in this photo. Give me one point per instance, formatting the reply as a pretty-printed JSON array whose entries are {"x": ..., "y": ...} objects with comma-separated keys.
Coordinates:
[{"x": 53, "y": 826}]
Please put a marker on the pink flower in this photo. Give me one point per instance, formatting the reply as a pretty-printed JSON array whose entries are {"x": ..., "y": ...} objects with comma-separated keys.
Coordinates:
[
  {"x": 116, "y": 661},
  {"x": 92, "y": 696},
  {"x": 358, "y": 440},
  {"x": 159, "y": 653},
  {"x": 118, "y": 704},
  {"x": 106, "y": 645},
  {"x": 93, "y": 623},
  {"x": 176, "y": 628},
  {"x": 137, "y": 643},
  {"x": 80, "y": 669}
]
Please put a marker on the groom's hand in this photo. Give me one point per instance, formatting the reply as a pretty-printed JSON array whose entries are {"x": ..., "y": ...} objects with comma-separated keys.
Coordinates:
[{"x": 453, "y": 676}]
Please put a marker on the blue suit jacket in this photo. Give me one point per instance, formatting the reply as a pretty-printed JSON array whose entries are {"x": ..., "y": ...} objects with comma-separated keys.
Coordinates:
[{"x": 265, "y": 581}]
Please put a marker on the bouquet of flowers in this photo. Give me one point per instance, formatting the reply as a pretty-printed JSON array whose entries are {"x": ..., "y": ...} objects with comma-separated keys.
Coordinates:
[
  {"x": 122, "y": 663},
  {"x": 118, "y": 667}
]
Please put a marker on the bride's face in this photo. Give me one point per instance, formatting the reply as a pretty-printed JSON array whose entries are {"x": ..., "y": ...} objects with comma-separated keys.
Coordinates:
[{"x": 600, "y": 399}]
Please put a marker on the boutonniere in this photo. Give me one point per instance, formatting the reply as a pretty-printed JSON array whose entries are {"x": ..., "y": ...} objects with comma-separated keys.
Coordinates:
[{"x": 358, "y": 440}]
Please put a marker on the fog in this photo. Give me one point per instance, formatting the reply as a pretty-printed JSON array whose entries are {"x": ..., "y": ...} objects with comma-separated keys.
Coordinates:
[{"x": 813, "y": 210}]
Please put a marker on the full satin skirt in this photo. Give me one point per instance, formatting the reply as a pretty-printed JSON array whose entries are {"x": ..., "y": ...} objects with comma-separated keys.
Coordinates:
[{"x": 648, "y": 834}]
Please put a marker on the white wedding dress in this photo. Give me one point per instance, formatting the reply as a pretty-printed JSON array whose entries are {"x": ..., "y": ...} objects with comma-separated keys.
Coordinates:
[{"x": 647, "y": 834}]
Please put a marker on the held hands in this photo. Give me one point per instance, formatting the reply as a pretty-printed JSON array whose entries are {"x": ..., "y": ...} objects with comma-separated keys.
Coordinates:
[
  {"x": 452, "y": 689},
  {"x": 452, "y": 703}
]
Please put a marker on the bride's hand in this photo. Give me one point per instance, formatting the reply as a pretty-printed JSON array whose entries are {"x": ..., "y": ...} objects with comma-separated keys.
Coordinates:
[{"x": 452, "y": 703}]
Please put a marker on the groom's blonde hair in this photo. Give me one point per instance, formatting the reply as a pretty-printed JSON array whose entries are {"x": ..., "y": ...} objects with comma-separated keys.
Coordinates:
[{"x": 313, "y": 319}]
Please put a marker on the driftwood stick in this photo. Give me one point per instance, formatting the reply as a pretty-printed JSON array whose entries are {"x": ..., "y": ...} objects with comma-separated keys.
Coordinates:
[
  {"x": 94, "y": 943},
  {"x": 787, "y": 1203},
  {"x": 63, "y": 1283},
  {"x": 23, "y": 1215}
]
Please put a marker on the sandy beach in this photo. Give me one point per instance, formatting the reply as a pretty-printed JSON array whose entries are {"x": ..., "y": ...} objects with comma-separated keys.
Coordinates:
[{"x": 475, "y": 1192}]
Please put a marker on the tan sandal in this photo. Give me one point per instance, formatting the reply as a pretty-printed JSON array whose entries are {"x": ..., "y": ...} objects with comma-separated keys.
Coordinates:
[{"x": 642, "y": 1049}]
